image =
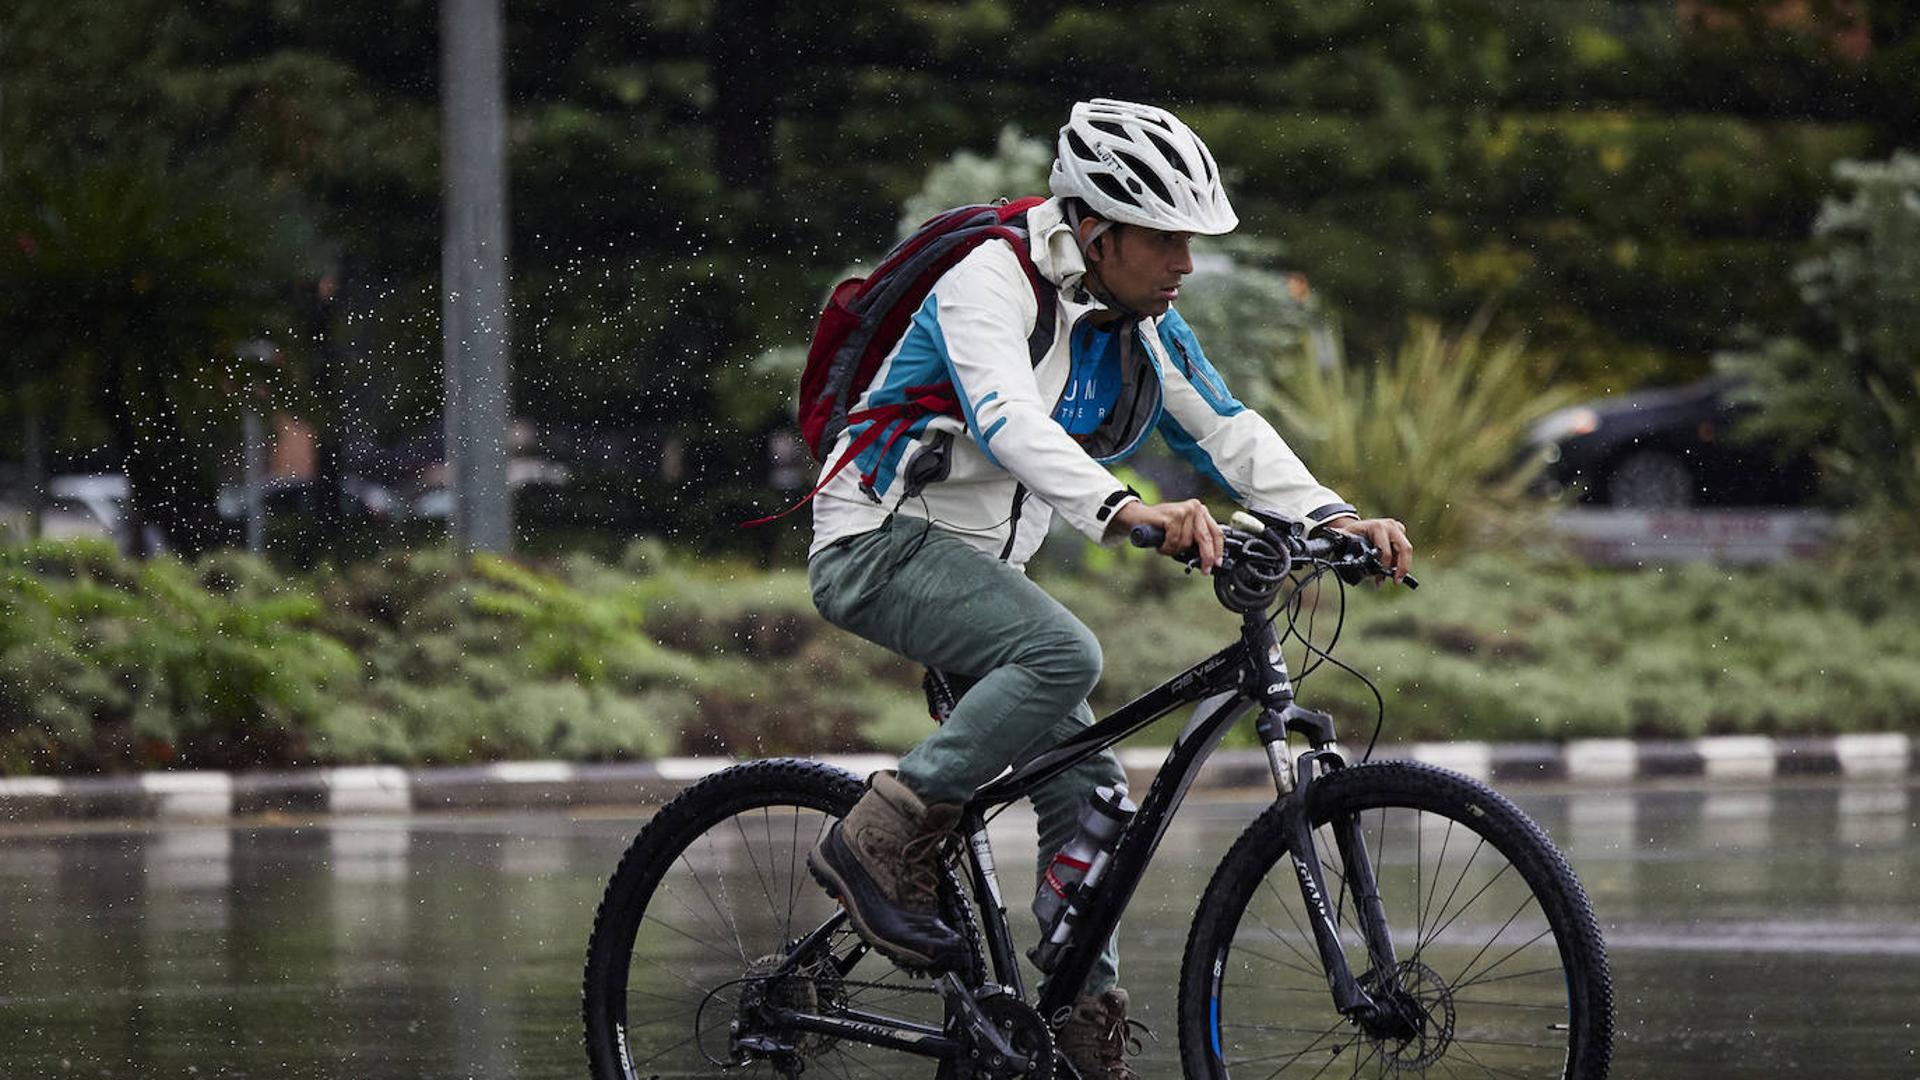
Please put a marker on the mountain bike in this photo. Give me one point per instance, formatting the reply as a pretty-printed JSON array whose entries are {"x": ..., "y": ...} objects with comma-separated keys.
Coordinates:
[{"x": 1380, "y": 918}]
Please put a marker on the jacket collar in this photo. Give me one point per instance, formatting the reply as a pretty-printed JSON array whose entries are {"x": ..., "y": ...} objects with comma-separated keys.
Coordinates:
[{"x": 1056, "y": 253}]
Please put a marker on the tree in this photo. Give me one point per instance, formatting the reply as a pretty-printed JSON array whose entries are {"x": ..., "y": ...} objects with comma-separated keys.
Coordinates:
[
  {"x": 688, "y": 174},
  {"x": 130, "y": 286},
  {"x": 1847, "y": 386}
]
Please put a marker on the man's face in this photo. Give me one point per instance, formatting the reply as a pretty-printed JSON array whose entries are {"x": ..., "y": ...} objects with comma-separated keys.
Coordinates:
[{"x": 1142, "y": 268}]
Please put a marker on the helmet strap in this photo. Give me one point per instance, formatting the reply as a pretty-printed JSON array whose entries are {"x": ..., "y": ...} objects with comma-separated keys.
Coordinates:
[
  {"x": 1090, "y": 279},
  {"x": 1073, "y": 222}
]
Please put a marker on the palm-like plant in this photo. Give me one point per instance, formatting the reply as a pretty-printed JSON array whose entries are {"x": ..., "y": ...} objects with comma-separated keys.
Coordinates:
[{"x": 1434, "y": 436}]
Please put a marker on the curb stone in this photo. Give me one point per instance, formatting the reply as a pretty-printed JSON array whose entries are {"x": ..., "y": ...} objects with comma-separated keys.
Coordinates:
[{"x": 526, "y": 785}]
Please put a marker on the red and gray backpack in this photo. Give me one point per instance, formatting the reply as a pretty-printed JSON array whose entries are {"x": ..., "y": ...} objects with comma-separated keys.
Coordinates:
[{"x": 866, "y": 317}]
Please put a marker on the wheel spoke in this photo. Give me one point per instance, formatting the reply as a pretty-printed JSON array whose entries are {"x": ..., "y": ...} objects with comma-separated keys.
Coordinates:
[
  {"x": 1478, "y": 893},
  {"x": 1451, "y": 893},
  {"x": 1475, "y": 1058},
  {"x": 702, "y": 942},
  {"x": 726, "y": 910},
  {"x": 1296, "y": 1055},
  {"x": 1277, "y": 962},
  {"x": 1464, "y": 980},
  {"x": 1509, "y": 977},
  {"x": 747, "y": 846},
  {"x": 1419, "y": 909},
  {"x": 711, "y": 902},
  {"x": 1427, "y": 905}
]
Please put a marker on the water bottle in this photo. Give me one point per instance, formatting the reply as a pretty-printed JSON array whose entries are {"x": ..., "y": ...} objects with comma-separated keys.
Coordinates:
[{"x": 1075, "y": 871}]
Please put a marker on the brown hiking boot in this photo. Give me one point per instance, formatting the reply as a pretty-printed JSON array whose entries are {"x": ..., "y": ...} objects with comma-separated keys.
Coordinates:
[
  {"x": 883, "y": 862},
  {"x": 1097, "y": 1037}
]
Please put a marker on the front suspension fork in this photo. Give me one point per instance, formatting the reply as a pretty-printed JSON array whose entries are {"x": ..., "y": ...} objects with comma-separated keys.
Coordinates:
[{"x": 1293, "y": 779}]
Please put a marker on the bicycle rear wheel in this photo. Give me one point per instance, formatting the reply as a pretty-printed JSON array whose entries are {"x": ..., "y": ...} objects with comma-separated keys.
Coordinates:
[
  {"x": 1498, "y": 956},
  {"x": 710, "y": 898}
]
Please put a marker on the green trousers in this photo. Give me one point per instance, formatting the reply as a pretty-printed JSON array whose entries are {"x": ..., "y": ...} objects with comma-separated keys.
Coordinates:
[{"x": 930, "y": 596}]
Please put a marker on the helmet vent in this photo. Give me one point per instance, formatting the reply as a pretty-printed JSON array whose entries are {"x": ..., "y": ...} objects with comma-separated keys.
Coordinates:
[
  {"x": 1174, "y": 157},
  {"x": 1141, "y": 170},
  {"x": 1105, "y": 182},
  {"x": 1079, "y": 146},
  {"x": 1109, "y": 127}
]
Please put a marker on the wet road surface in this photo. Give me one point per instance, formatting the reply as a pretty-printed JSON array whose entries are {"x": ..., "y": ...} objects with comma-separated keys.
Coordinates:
[{"x": 1754, "y": 932}]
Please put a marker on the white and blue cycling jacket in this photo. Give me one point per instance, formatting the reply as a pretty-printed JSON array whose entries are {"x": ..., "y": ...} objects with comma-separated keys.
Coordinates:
[{"x": 1038, "y": 436}]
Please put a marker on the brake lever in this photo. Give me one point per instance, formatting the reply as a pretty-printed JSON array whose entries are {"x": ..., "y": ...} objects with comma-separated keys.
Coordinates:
[
  {"x": 1375, "y": 570},
  {"x": 1371, "y": 566}
]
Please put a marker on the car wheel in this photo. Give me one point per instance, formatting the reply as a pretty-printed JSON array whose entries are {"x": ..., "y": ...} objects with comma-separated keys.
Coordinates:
[{"x": 1650, "y": 480}]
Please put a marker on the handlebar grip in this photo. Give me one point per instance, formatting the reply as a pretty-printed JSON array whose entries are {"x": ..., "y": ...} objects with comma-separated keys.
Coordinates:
[{"x": 1147, "y": 536}]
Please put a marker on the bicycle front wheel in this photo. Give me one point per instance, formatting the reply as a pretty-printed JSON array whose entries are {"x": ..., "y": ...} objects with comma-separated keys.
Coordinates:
[{"x": 1498, "y": 964}]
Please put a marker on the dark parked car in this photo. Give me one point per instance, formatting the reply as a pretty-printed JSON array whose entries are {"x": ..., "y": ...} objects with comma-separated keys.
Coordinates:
[{"x": 1668, "y": 449}]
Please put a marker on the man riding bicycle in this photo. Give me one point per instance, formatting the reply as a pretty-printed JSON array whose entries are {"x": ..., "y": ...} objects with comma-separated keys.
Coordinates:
[{"x": 927, "y": 559}]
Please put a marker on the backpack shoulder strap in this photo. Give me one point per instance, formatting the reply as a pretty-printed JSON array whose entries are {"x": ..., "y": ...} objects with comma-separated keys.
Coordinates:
[{"x": 1041, "y": 339}]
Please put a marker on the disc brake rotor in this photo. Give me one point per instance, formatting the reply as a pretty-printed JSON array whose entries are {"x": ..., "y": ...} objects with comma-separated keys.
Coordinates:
[{"x": 1424, "y": 1002}]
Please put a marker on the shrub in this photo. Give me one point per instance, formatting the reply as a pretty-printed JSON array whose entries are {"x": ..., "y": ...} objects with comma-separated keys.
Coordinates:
[
  {"x": 1494, "y": 648},
  {"x": 1848, "y": 386},
  {"x": 1432, "y": 436},
  {"x": 221, "y": 663},
  {"x": 207, "y": 664}
]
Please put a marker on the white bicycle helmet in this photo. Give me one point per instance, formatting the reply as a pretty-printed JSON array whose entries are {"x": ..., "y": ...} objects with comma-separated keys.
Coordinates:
[{"x": 1140, "y": 165}]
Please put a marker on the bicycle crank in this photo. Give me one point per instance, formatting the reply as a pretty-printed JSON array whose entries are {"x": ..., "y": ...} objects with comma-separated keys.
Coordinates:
[{"x": 1004, "y": 1037}]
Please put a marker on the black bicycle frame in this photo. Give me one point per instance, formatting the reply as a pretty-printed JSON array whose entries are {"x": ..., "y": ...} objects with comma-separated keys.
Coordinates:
[
  {"x": 1224, "y": 686},
  {"x": 1245, "y": 675}
]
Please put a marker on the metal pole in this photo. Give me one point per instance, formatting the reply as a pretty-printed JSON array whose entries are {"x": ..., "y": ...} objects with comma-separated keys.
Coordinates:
[{"x": 473, "y": 268}]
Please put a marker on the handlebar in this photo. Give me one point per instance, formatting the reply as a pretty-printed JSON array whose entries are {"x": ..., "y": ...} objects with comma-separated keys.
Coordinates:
[{"x": 1352, "y": 557}]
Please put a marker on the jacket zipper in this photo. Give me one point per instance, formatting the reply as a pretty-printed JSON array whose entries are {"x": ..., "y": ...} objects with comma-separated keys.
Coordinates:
[{"x": 1193, "y": 372}]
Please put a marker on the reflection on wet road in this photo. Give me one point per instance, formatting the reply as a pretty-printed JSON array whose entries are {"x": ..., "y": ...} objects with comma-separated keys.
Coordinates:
[{"x": 1755, "y": 932}]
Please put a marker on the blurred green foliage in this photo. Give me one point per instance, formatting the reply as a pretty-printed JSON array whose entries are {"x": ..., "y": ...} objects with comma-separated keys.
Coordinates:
[
  {"x": 1846, "y": 386},
  {"x": 110, "y": 664},
  {"x": 1430, "y": 436},
  {"x": 1628, "y": 181},
  {"x": 1513, "y": 648},
  {"x": 136, "y": 661},
  {"x": 131, "y": 286}
]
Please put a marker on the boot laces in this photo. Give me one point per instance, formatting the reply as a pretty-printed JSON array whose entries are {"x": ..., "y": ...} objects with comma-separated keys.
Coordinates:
[
  {"x": 1112, "y": 1040},
  {"x": 920, "y": 862}
]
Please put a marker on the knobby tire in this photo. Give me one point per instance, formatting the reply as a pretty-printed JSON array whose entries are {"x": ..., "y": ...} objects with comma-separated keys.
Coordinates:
[{"x": 1496, "y": 943}]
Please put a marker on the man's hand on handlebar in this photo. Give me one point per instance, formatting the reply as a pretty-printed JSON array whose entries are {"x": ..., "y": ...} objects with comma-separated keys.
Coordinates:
[
  {"x": 1387, "y": 536},
  {"x": 1189, "y": 524}
]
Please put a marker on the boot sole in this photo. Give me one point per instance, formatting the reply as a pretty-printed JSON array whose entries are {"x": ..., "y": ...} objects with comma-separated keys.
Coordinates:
[{"x": 830, "y": 880}]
